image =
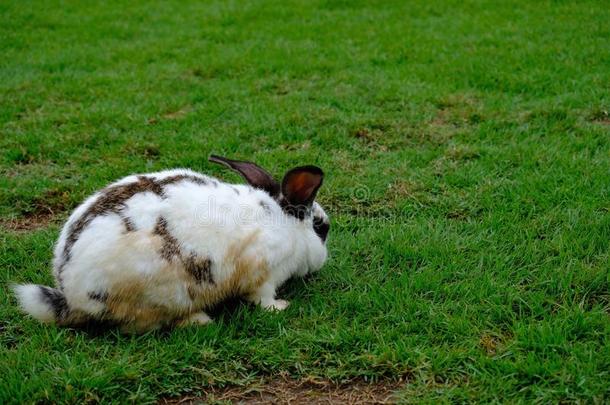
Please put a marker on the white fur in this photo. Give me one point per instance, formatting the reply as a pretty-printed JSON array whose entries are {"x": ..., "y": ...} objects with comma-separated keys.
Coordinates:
[
  {"x": 206, "y": 220},
  {"x": 197, "y": 318},
  {"x": 30, "y": 299}
]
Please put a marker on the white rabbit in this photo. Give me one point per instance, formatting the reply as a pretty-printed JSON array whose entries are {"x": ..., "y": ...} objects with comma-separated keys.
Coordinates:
[{"x": 158, "y": 249}]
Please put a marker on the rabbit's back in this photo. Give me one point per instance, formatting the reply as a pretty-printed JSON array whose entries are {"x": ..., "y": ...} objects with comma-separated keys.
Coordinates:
[{"x": 154, "y": 246}]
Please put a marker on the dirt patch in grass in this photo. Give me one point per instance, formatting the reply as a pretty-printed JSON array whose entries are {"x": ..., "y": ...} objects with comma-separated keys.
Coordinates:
[
  {"x": 40, "y": 212},
  {"x": 600, "y": 117},
  {"x": 28, "y": 223},
  {"x": 286, "y": 391}
]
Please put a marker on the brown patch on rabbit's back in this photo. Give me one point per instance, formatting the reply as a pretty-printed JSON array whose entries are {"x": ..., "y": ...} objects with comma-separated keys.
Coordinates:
[
  {"x": 128, "y": 223},
  {"x": 199, "y": 267},
  {"x": 170, "y": 248}
]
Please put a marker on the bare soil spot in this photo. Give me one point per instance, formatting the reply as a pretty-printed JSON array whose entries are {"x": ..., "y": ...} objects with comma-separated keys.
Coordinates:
[
  {"x": 147, "y": 151},
  {"x": 489, "y": 343},
  {"x": 41, "y": 212},
  {"x": 205, "y": 73},
  {"x": 296, "y": 146},
  {"x": 171, "y": 115},
  {"x": 21, "y": 156},
  {"x": 27, "y": 223},
  {"x": 402, "y": 190},
  {"x": 493, "y": 343},
  {"x": 380, "y": 136},
  {"x": 456, "y": 111},
  {"x": 179, "y": 114},
  {"x": 462, "y": 153},
  {"x": 51, "y": 203},
  {"x": 601, "y": 117},
  {"x": 286, "y": 391},
  {"x": 459, "y": 214}
]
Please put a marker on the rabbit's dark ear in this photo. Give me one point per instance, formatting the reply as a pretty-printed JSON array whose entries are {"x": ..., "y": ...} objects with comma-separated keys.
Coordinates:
[
  {"x": 301, "y": 184},
  {"x": 255, "y": 176}
]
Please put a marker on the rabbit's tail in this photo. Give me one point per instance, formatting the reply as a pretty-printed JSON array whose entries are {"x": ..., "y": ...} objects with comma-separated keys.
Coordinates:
[{"x": 46, "y": 304}]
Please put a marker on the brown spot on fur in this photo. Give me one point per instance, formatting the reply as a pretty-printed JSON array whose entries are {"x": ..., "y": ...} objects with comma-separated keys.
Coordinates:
[
  {"x": 191, "y": 292},
  {"x": 199, "y": 268},
  {"x": 182, "y": 177},
  {"x": 248, "y": 269},
  {"x": 129, "y": 225},
  {"x": 248, "y": 274},
  {"x": 170, "y": 248},
  {"x": 127, "y": 306}
]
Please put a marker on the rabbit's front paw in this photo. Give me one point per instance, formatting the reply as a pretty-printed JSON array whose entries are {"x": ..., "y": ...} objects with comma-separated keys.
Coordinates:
[
  {"x": 265, "y": 297},
  {"x": 198, "y": 318},
  {"x": 276, "y": 305}
]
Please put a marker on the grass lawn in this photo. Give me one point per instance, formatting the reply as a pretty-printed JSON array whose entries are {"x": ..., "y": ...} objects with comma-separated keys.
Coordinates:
[{"x": 467, "y": 151}]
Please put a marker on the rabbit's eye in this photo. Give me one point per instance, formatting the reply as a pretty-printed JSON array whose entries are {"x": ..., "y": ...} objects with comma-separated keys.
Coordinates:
[{"x": 321, "y": 228}]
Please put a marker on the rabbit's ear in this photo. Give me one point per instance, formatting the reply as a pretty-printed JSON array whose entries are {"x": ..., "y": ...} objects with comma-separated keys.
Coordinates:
[
  {"x": 255, "y": 175},
  {"x": 301, "y": 184}
]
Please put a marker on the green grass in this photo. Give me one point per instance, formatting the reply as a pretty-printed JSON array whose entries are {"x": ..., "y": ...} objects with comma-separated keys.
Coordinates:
[{"x": 467, "y": 151}]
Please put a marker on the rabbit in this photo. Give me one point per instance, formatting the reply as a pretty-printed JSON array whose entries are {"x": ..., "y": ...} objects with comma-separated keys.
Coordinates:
[{"x": 156, "y": 250}]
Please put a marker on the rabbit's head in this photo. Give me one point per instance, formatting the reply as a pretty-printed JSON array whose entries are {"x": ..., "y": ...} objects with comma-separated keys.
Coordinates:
[{"x": 295, "y": 194}]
